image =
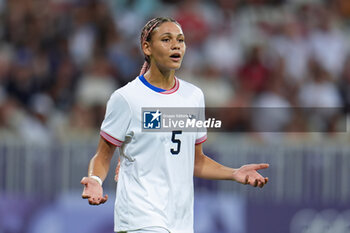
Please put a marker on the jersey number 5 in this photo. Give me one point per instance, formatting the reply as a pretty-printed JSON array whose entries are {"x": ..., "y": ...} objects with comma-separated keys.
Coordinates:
[{"x": 177, "y": 141}]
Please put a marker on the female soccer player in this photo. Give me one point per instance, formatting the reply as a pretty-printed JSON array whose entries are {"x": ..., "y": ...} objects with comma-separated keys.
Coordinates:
[{"x": 155, "y": 184}]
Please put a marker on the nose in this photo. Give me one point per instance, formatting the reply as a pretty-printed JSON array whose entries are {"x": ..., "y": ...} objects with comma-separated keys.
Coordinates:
[{"x": 175, "y": 46}]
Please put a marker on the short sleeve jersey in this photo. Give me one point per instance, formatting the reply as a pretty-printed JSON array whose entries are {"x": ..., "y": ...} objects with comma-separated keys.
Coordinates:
[{"x": 155, "y": 186}]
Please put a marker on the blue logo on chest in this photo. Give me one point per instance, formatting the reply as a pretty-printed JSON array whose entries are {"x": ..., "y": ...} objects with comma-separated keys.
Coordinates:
[{"x": 152, "y": 119}]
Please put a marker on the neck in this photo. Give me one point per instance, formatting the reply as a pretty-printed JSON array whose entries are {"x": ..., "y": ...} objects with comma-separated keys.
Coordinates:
[{"x": 162, "y": 79}]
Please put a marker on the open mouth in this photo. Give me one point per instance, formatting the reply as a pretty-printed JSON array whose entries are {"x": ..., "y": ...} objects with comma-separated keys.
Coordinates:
[{"x": 175, "y": 56}]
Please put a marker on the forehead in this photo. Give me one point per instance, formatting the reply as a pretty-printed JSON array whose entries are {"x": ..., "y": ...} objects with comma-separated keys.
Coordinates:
[{"x": 168, "y": 27}]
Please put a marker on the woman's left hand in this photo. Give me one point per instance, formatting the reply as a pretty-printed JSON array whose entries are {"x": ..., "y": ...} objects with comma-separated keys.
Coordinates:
[{"x": 247, "y": 174}]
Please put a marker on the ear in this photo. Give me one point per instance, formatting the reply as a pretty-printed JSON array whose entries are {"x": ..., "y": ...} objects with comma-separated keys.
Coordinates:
[{"x": 146, "y": 47}]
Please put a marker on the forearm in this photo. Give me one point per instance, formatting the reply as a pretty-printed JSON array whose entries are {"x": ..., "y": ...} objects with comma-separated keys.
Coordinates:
[
  {"x": 100, "y": 163},
  {"x": 99, "y": 166},
  {"x": 209, "y": 169}
]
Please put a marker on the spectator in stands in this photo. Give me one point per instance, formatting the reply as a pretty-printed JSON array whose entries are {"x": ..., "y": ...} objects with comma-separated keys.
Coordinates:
[
  {"x": 96, "y": 84},
  {"x": 320, "y": 97},
  {"x": 253, "y": 74},
  {"x": 291, "y": 46},
  {"x": 327, "y": 42},
  {"x": 48, "y": 48},
  {"x": 344, "y": 86}
]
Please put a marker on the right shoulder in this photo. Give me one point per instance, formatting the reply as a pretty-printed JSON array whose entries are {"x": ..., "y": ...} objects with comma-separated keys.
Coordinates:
[
  {"x": 127, "y": 89},
  {"x": 119, "y": 100},
  {"x": 191, "y": 88}
]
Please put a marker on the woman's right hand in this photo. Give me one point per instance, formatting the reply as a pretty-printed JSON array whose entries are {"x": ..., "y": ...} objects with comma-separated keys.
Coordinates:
[{"x": 93, "y": 191}]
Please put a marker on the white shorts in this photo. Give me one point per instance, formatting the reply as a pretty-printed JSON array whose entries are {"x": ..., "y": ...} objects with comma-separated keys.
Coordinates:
[{"x": 148, "y": 230}]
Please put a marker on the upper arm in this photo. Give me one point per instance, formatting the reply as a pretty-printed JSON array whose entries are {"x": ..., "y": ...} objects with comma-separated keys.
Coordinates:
[
  {"x": 198, "y": 156},
  {"x": 201, "y": 134},
  {"x": 198, "y": 150},
  {"x": 117, "y": 120}
]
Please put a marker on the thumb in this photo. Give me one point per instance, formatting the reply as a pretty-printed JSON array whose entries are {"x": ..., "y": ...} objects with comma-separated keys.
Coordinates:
[{"x": 84, "y": 181}]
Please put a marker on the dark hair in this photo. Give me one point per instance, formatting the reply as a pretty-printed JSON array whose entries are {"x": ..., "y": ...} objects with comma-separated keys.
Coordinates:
[{"x": 146, "y": 35}]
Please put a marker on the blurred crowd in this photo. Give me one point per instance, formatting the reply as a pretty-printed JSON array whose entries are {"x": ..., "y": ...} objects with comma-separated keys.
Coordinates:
[{"x": 61, "y": 59}]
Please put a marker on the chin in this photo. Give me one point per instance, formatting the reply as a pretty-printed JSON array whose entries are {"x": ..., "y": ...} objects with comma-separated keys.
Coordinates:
[
  {"x": 176, "y": 67},
  {"x": 172, "y": 67}
]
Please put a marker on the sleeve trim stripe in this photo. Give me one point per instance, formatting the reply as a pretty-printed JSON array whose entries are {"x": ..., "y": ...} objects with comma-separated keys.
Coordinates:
[
  {"x": 111, "y": 139},
  {"x": 201, "y": 140}
]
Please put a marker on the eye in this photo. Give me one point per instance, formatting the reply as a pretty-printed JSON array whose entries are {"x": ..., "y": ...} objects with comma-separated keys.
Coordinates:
[
  {"x": 165, "y": 39},
  {"x": 181, "y": 40}
]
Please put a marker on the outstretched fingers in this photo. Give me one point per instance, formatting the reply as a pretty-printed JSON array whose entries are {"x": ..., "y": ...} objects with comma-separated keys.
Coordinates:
[
  {"x": 258, "y": 181},
  {"x": 261, "y": 166},
  {"x": 98, "y": 200},
  {"x": 248, "y": 174},
  {"x": 246, "y": 180},
  {"x": 94, "y": 201},
  {"x": 266, "y": 179},
  {"x": 104, "y": 199}
]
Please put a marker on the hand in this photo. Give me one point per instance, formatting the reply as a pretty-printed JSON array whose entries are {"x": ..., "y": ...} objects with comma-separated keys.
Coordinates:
[
  {"x": 93, "y": 191},
  {"x": 248, "y": 174},
  {"x": 116, "y": 177}
]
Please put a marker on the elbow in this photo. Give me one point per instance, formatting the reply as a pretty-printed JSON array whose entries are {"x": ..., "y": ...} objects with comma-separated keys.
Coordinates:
[{"x": 197, "y": 172}]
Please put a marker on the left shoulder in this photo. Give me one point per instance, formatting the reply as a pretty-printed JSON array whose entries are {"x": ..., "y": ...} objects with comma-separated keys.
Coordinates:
[{"x": 189, "y": 87}]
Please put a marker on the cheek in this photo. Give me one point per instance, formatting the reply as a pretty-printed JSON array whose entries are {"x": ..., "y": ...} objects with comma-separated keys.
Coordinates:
[
  {"x": 163, "y": 50},
  {"x": 159, "y": 51}
]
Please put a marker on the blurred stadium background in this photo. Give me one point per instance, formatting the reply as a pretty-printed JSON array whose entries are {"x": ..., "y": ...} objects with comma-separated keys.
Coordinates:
[{"x": 61, "y": 59}]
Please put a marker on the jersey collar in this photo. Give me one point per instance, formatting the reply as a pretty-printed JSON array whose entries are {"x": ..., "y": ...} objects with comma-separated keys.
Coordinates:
[{"x": 160, "y": 90}]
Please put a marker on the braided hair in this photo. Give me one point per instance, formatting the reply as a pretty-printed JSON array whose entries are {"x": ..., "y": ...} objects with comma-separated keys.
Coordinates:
[{"x": 146, "y": 36}]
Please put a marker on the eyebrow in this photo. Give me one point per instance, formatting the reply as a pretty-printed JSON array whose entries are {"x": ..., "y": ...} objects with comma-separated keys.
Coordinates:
[{"x": 169, "y": 34}]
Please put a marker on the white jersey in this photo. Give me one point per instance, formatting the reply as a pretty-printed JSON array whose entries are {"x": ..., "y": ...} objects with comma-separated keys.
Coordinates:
[{"x": 155, "y": 185}]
